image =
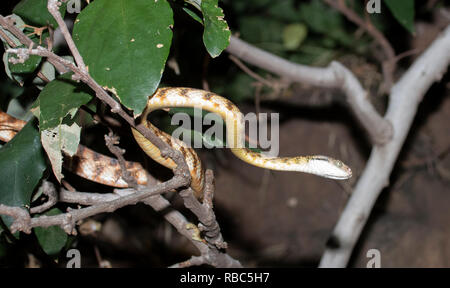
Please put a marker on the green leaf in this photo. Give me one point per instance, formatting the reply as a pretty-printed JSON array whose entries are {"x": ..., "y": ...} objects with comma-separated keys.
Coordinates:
[
  {"x": 283, "y": 10},
  {"x": 53, "y": 238},
  {"x": 35, "y": 12},
  {"x": 192, "y": 14},
  {"x": 125, "y": 45},
  {"x": 324, "y": 20},
  {"x": 319, "y": 17},
  {"x": 293, "y": 35},
  {"x": 240, "y": 88},
  {"x": 63, "y": 138},
  {"x": 250, "y": 29},
  {"x": 22, "y": 163},
  {"x": 9, "y": 91},
  {"x": 241, "y": 7},
  {"x": 403, "y": 11},
  {"x": 19, "y": 108},
  {"x": 216, "y": 34},
  {"x": 59, "y": 98}
]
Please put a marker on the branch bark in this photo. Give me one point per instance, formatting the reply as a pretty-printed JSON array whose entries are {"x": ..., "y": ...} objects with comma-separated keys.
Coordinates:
[
  {"x": 53, "y": 8},
  {"x": 68, "y": 220},
  {"x": 111, "y": 141},
  {"x": 405, "y": 98},
  {"x": 334, "y": 76},
  {"x": 49, "y": 190},
  {"x": 209, "y": 255}
]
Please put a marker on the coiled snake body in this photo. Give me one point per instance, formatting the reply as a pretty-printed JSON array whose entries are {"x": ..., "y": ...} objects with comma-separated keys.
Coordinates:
[{"x": 103, "y": 169}]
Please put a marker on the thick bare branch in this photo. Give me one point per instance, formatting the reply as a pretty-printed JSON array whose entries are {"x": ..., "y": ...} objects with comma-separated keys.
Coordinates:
[
  {"x": 22, "y": 219},
  {"x": 406, "y": 95},
  {"x": 207, "y": 218}
]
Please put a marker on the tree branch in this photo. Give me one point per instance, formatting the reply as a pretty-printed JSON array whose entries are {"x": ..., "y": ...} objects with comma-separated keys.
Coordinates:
[
  {"x": 53, "y": 8},
  {"x": 49, "y": 190},
  {"x": 22, "y": 219},
  {"x": 8, "y": 24},
  {"x": 334, "y": 76},
  {"x": 67, "y": 220},
  {"x": 209, "y": 254},
  {"x": 111, "y": 141},
  {"x": 389, "y": 64},
  {"x": 405, "y": 97}
]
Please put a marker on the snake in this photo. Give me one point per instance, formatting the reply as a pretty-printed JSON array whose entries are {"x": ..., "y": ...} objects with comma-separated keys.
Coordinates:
[
  {"x": 235, "y": 126},
  {"x": 106, "y": 170}
]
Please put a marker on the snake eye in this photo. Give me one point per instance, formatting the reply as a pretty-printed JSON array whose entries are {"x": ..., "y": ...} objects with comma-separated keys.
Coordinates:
[{"x": 339, "y": 163}]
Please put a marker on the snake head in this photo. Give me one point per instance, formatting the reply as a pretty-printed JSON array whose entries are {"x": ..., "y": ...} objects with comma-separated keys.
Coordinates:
[{"x": 330, "y": 168}]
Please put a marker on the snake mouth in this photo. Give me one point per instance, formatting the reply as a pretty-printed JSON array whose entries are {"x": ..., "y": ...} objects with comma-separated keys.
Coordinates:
[
  {"x": 339, "y": 177},
  {"x": 347, "y": 174}
]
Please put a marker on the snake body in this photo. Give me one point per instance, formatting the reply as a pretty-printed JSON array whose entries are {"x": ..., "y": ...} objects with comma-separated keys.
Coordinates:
[
  {"x": 106, "y": 170},
  {"x": 86, "y": 162},
  {"x": 187, "y": 97}
]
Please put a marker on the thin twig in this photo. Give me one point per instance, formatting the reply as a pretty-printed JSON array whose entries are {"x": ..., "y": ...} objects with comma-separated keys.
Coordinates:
[
  {"x": 12, "y": 44},
  {"x": 53, "y": 8},
  {"x": 407, "y": 54},
  {"x": 49, "y": 190},
  {"x": 111, "y": 141},
  {"x": 193, "y": 261},
  {"x": 249, "y": 71},
  {"x": 7, "y": 39},
  {"x": 389, "y": 65},
  {"x": 8, "y": 24},
  {"x": 205, "y": 84}
]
